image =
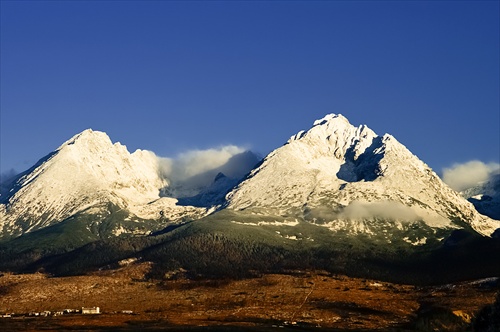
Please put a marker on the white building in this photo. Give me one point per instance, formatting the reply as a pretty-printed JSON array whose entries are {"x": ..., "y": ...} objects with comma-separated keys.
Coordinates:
[{"x": 90, "y": 311}]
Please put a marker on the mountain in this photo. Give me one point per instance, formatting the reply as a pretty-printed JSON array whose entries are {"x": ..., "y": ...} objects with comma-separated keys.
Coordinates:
[
  {"x": 350, "y": 180},
  {"x": 486, "y": 196},
  {"x": 89, "y": 175},
  {"x": 336, "y": 197}
]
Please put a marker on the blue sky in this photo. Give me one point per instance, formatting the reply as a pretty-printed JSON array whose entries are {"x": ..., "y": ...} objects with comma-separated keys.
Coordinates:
[{"x": 175, "y": 76}]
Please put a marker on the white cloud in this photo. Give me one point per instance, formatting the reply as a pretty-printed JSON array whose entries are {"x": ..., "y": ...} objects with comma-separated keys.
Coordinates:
[
  {"x": 191, "y": 163},
  {"x": 192, "y": 170},
  {"x": 469, "y": 174}
]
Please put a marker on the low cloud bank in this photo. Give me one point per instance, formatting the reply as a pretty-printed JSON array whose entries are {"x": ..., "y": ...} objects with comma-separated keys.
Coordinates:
[
  {"x": 387, "y": 210},
  {"x": 469, "y": 174},
  {"x": 191, "y": 171},
  {"x": 356, "y": 210}
]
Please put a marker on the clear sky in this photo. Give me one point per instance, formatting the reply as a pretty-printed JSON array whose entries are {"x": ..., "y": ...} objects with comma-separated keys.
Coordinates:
[{"x": 174, "y": 76}]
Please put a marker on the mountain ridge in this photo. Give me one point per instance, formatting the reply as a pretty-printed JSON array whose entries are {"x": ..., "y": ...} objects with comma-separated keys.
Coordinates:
[{"x": 334, "y": 197}]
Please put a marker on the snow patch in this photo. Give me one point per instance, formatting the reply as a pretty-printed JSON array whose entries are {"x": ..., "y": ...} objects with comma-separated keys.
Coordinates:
[
  {"x": 119, "y": 231},
  {"x": 127, "y": 261},
  {"x": 418, "y": 242},
  {"x": 268, "y": 223}
]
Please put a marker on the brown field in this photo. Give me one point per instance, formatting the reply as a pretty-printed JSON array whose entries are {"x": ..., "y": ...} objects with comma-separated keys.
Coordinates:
[{"x": 304, "y": 301}]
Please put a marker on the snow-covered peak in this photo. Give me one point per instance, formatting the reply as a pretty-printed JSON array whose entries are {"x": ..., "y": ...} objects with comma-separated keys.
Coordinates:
[
  {"x": 92, "y": 150},
  {"x": 88, "y": 137},
  {"x": 89, "y": 161},
  {"x": 333, "y": 124},
  {"x": 333, "y": 133},
  {"x": 326, "y": 125},
  {"x": 85, "y": 171},
  {"x": 92, "y": 156},
  {"x": 97, "y": 143},
  {"x": 330, "y": 118},
  {"x": 335, "y": 164}
]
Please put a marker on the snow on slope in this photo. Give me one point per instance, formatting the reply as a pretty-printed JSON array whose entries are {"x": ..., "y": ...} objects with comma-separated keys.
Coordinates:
[
  {"x": 87, "y": 171},
  {"x": 346, "y": 176}
]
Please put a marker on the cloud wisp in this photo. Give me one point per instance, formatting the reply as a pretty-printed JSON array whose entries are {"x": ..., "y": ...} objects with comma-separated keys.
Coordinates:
[
  {"x": 466, "y": 175},
  {"x": 7, "y": 175}
]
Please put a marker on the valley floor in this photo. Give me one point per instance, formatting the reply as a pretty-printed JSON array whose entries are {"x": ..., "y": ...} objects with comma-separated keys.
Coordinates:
[{"x": 307, "y": 301}]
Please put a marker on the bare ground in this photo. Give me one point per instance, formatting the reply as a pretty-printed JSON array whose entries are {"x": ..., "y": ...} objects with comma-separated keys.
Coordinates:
[{"x": 310, "y": 301}]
